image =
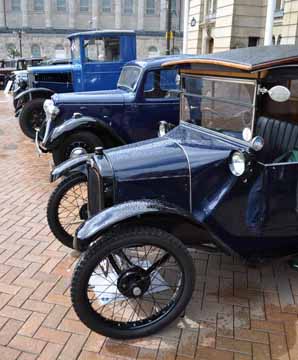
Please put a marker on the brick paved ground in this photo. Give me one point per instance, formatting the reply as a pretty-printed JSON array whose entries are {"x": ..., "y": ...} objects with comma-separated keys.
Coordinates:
[{"x": 237, "y": 313}]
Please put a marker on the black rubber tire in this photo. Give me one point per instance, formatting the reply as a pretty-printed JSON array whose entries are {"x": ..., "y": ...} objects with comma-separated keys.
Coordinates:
[
  {"x": 25, "y": 118},
  {"x": 119, "y": 238},
  {"x": 53, "y": 205},
  {"x": 61, "y": 153}
]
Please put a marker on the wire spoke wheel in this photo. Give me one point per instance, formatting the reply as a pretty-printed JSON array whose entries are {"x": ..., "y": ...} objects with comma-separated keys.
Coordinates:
[
  {"x": 72, "y": 210},
  {"x": 133, "y": 288},
  {"x": 68, "y": 208}
]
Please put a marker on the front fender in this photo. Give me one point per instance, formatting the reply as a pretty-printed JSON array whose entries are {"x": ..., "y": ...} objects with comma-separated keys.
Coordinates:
[
  {"x": 82, "y": 123},
  {"x": 29, "y": 94},
  {"x": 122, "y": 213},
  {"x": 78, "y": 165}
]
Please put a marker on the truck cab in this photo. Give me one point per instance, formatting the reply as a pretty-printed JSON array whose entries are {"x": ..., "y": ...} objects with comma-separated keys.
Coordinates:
[{"x": 97, "y": 58}]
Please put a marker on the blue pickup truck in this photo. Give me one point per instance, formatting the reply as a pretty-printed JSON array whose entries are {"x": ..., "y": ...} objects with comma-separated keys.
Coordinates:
[
  {"x": 146, "y": 95},
  {"x": 97, "y": 59}
]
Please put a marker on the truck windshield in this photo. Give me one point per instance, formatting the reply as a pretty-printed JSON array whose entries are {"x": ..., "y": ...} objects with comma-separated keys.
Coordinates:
[
  {"x": 129, "y": 77},
  {"x": 220, "y": 104}
]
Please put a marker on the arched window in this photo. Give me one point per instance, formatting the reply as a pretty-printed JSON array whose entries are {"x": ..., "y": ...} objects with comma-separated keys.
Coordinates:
[
  {"x": 153, "y": 51},
  {"x": 60, "y": 52},
  {"x": 35, "y": 50}
]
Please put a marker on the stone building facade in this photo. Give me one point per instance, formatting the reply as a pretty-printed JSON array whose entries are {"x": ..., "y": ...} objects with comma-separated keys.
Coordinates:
[
  {"x": 43, "y": 25},
  {"x": 216, "y": 25}
]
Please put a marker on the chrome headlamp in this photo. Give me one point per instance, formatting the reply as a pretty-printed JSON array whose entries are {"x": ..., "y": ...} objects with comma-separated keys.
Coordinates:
[
  {"x": 50, "y": 109},
  {"x": 238, "y": 163}
]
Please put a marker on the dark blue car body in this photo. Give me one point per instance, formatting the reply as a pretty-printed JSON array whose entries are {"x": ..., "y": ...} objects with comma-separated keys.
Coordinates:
[
  {"x": 189, "y": 182},
  {"x": 108, "y": 52},
  {"x": 125, "y": 116}
]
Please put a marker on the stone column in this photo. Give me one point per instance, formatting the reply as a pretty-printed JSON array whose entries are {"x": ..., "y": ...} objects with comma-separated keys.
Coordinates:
[
  {"x": 204, "y": 30},
  {"x": 163, "y": 15},
  {"x": 118, "y": 14},
  {"x": 2, "y": 14},
  {"x": 48, "y": 13},
  {"x": 25, "y": 13},
  {"x": 72, "y": 14},
  {"x": 95, "y": 14},
  {"x": 140, "y": 13}
]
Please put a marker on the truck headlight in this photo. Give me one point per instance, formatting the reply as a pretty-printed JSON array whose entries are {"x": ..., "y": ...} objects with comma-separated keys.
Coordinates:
[
  {"x": 238, "y": 163},
  {"x": 50, "y": 108}
]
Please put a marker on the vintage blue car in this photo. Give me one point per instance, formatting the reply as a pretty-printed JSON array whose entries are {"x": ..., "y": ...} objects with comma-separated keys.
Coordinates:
[
  {"x": 97, "y": 59},
  {"x": 225, "y": 179},
  {"x": 76, "y": 123}
]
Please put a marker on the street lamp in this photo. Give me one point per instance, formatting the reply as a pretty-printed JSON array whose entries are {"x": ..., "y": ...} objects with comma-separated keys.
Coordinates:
[{"x": 19, "y": 34}]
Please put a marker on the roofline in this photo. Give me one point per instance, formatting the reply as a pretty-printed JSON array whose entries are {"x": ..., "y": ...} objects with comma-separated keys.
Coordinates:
[
  {"x": 233, "y": 65},
  {"x": 99, "y": 32}
]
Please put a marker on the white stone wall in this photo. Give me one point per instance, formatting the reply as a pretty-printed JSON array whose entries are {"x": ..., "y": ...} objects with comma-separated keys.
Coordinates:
[
  {"x": 94, "y": 18},
  {"x": 48, "y": 42},
  {"x": 236, "y": 21}
]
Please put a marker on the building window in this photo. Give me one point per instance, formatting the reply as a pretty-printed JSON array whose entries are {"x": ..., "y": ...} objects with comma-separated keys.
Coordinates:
[
  {"x": 254, "y": 41},
  {"x": 174, "y": 7},
  {"x": 279, "y": 9},
  {"x": 150, "y": 7},
  {"x": 16, "y": 5},
  {"x": 35, "y": 50},
  {"x": 211, "y": 8},
  {"x": 106, "y": 6},
  {"x": 153, "y": 51},
  {"x": 38, "y": 5},
  {"x": 128, "y": 7},
  {"x": 61, "y": 5},
  {"x": 84, "y": 5}
]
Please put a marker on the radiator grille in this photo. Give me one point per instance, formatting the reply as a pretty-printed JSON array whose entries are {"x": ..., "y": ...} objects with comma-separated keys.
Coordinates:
[{"x": 95, "y": 191}]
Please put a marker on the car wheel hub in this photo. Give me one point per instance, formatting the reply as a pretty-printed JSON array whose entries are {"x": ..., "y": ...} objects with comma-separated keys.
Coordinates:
[
  {"x": 133, "y": 283},
  {"x": 77, "y": 151}
]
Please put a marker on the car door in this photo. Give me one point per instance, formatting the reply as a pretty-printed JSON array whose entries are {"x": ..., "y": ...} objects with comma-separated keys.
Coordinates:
[
  {"x": 158, "y": 100},
  {"x": 102, "y": 63}
]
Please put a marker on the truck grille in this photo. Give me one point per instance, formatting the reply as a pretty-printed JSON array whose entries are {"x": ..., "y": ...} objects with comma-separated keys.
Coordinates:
[{"x": 95, "y": 191}]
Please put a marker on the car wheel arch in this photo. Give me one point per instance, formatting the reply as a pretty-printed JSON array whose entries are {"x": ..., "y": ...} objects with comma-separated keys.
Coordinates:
[
  {"x": 109, "y": 138},
  {"x": 174, "y": 221}
]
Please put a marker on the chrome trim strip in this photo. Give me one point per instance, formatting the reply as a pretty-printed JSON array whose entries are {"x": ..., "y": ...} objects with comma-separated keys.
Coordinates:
[{"x": 189, "y": 170}]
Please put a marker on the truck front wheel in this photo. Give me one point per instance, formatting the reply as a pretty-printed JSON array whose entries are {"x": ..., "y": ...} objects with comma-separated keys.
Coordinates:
[
  {"x": 31, "y": 117},
  {"x": 85, "y": 141}
]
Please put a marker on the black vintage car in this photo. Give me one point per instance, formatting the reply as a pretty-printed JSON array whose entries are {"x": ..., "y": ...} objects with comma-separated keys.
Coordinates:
[
  {"x": 225, "y": 179},
  {"x": 9, "y": 67}
]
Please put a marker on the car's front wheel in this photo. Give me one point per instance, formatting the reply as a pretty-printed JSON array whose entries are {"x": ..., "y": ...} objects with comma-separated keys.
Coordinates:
[
  {"x": 132, "y": 282},
  {"x": 67, "y": 208},
  {"x": 32, "y": 117},
  {"x": 85, "y": 141}
]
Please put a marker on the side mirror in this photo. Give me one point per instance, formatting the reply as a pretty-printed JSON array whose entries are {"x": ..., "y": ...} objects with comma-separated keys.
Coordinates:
[{"x": 279, "y": 93}]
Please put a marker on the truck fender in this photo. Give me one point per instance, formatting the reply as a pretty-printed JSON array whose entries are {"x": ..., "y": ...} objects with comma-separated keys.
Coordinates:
[
  {"x": 78, "y": 165},
  {"x": 143, "y": 212},
  {"x": 30, "y": 94},
  {"x": 94, "y": 125}
]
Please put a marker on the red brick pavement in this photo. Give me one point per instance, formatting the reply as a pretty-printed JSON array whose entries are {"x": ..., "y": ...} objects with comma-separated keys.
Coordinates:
[{"x": 237, "y": 313}]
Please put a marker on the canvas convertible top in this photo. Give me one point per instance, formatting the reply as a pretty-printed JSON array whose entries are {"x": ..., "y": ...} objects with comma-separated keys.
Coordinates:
[{"x": 246, "y": 59}]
